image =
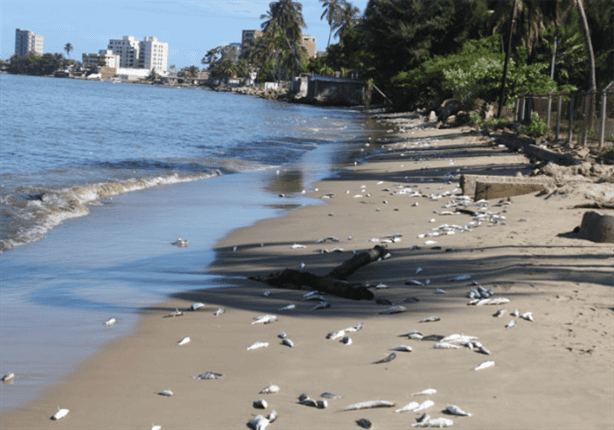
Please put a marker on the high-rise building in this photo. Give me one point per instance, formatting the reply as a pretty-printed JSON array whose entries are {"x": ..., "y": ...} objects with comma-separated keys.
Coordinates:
[
  {"x": 104, "y": 57},
  {"x": 309, "y": 43},
  {"x": 147, "y": 54},
  {"x": 26, "y": 42}
]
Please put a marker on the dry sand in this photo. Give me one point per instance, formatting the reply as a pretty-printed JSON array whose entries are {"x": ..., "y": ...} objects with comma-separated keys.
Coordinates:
[{"x": 555, "y": 372}]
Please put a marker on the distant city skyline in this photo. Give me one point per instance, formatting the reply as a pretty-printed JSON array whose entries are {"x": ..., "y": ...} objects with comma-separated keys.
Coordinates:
[{"x": 190, "y": 28}]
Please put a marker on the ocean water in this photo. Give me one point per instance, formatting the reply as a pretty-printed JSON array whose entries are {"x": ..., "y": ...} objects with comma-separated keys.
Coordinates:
[{"x": 97, "y": 179}]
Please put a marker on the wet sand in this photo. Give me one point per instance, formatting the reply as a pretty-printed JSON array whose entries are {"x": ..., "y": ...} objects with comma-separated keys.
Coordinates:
[{"x": 555, "y": 372}]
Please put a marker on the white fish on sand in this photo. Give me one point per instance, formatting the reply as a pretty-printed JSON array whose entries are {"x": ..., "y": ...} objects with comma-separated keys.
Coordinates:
[
  {"x": 386, "y": 359},
  {"x": 408, "y": 407},
  {"x": 270, "y": 390},
  {"x": 258, "y": 345},
  {"x": 110, "y": 322},
  {"x": 435, "y": 422},
  {"x": 446, "y": 345},
  {"x": 288, "y": 342},
  {"x": 321, "y": 305},
  {"x": 184, "y": 341},
  {"x": 288, "y": 307},
  {"x": 9, "y": 378},
  {"x": 427, "y": 392},
  {"x": 260, "y": 404},
  {"x": 485, "y": 365},
  {"x": 499, "y": 313},
  {"x": 402, "y": 348},
  {"x": 430, "y": 319},
  {"x": 440, "y": 291},
  {"x": 175, "y": 313},
  {"x": 197, "y": 306},
  {"x": 459, "y": 278},
  {"x": 381, "y": 286},
  {"x": 258, "y": 423},
  {"x": 425, "y": 405},
  {"x": 219, "y": 312},
  {"x": 208, "y": 375},
  {"x": 395, "y": 310},
  {"x": 166, "y": 393},
  {"x": 297, "y": 246},
  {"x": 264, "y": 319},
  {"x": 516, "y": 313},
  {"x": 154, "y": 427},
  {"x": 61, "y": 413},
  {"x": 314, "y": 297},
  {"x": 371, "y": 404},
  {"x": 455, "y": 410},
  {"x": 181, "y": 243},
  {"x": 527, "y": 316},
  {"x": 458, "y": 338},
  {"x": 414, "y": 282},
  {"x": 511, "y": 324},
  {"x": 330, "y": 395},
  {"x": 489, "y": 301},
  {"x": 335, "y": 334}
]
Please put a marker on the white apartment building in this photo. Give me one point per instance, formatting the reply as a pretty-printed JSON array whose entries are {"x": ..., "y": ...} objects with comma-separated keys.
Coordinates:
[
  {"x": 147, "y": 54},
  {"x": 104, "y": 56},
  {"x": 26, "y": 42}
]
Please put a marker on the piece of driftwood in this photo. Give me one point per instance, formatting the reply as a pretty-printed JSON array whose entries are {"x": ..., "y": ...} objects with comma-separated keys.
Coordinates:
[{"x": 334, "y": 283}]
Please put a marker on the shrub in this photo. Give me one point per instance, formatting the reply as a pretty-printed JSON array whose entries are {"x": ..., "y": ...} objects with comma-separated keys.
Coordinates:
[{"x": 536, "y": 128}]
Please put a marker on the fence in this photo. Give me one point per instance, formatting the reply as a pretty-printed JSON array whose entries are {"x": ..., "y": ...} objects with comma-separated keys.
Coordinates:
[{"x": 583, "y": 117}]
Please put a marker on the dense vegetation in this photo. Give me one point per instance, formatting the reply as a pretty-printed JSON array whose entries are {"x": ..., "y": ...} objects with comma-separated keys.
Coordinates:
[{"x": 38, "y": 65}]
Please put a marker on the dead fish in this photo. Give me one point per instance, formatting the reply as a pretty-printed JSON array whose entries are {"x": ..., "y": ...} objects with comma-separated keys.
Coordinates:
[
  {"x": 184, "y": 341},
  {"x": 364, "y": 423},
  {"x": 435, "y": 422},
  {"x": 258, "y": 423},
  {"x": 414, "y": 282},
  {"x": 304, "y": 399},
  {"x": 459, "y": 338},
  {"x": 459, "y": 278},
  {"x": 395, "y": 310},
  {"x": 258, "y": 345},
  {"x": 499, "y": 313},
  {"x": 455, "y": 410},
  {"x": 346, "y": 341},
  {"x": 321, "y": 305},
  {"x": 402, "y": 348},
  {"x": 411, "y": 300},
  {"x": 335, "y": 334},
  {"x": 381, "y": 286},
  {"x": 511, "y": 324},
  {"x": 208, "y": 375},
  {"x": 287, "y": 307},
  {"x": 9, "y": 378},
  {"x": 166, "y": 393},
  {"x": 427, "y": 392},
  {"x": 288, "y": 342},
  {"x": 445, "y": 345},
  {"x": 271, "y": 389},
  {"x": 176, "y": 313},
  {"x": 491, "y": 301},
  {"x": 260, "y": 404},
  {"x": 181, "y": 243},
  {"x": 430, "y": 319},
  {"x": 384, "y": 302},
  {"x": 387, "y": 358},
  {"x": 110, "y": 322},
  {"x": 61, "y": 413},
  {"x": 330, "y": 395},
  {"x": 282, "y": 335},
  {"x": 408, "y": 407},
  {"x": 527, "y": 316},
  {"x": 266, "y": 293},
  {"x": 440, "y": 291},
  {"x": 413, "y": 335},
  {"x": 425, "y": 405},
  {"x": 321, "y": 404},
  {"x": 371, "y": 404},
  {"x": 516, "y": 313},
  {"x": 424, "y": 417},
  {"x": 485, "y": 365},
  {"x": 264, "y": 319},
  {"x": 297, "y": 246},
  {"x": 314, "y": 297},
  {"x": 329, "y": 238},
  {"x": 480, "y": 348},
  {"x": 197, "y": 306}
]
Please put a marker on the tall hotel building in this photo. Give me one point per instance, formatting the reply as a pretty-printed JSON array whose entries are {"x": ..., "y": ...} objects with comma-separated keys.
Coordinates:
[
  {"x": 26, "y": 42},
  {"x": 146, "y": 54}
]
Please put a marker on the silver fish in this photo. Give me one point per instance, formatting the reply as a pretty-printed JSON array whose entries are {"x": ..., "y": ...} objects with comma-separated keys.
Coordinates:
[
  {"x": 288, "y": 342},
  {"x": 219, "y": 312},
  {"x": 492, "y": 301},
  {"x": 166, "y": 393},
  {"x": 455, "y": 410},
  {"x": 282, "y": 335},
  {"x": 485, "y": 365},
  {"x": 264, "y": 319},
  {"x": 297, "y": 246},
  {"x": 175, "y": 313},
  {"x": 321, "y": 404},
  {"x": 408, "y": 407},
  {"x": 425, "y": 405},
  {"x": 511, "y": 324},
  {"x": 371, "y": 404},
  {"x": 9, "y": 378},
  {"x": 321, "y": 305},
  {"x": 402, "y": 348},
  {"x": 440, "y": 291},
  {"x": 499, "y": 313},
  {"x": 110, "y": 322},
  {"x": 527, "y": 316},
  {"x": 287, "y": 307},
  {"x": 459, "y": 278},
  {"x": 516, "y": 313},
  {"x": 209, "y": 375},
  {"x": 414, "y": 282},
  {"x": 260, "y": 404},
  {"x": 364, "y": 423},
  {"x": 315, "y": 297},
  {"x": 181, "y": 243},
  {"x": 330, "y": 395},
  {"x": 184, "y": 341},
  {"x": 387, "y": 358},
  {"x": 480, "y": 348},
  {"x": 395, "y": 310},
  {"x": 424, "y": 417},
  {"x": 415, "y": 336},
  {"x": 258, "y": 423},
  {"x": 445, "y": 345},
  {"x": 427, "y": 392},
  {"x": 435, "y": 422},
  {"x": 258, "y": 345},
  {"x": 269, "y": 390},
  {"x": 197, "y": 306},
  {"x": 458, "y": 338},
  {"x": 430, "y": 319},
  {"x": 335, "y": 334}
]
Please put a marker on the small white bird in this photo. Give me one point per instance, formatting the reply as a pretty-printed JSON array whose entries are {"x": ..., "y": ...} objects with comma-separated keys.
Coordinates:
[{"x": 61, "y": 413}]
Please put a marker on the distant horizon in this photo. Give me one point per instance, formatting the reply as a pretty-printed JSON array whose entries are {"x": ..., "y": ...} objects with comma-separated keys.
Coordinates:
[{"x": 190, "y": 28}]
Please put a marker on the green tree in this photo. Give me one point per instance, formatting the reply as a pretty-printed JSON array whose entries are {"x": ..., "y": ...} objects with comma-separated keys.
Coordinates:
[
  {"x": 332, "y": 10},
  {"x": 348, "y": 17},
  {"x": 68, "y": 47}
]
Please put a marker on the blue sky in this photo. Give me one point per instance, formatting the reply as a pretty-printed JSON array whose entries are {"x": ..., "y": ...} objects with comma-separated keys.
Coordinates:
[{"x": 189, "y": 27}]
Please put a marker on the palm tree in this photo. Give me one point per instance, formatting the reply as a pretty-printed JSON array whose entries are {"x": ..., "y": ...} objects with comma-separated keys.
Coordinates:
[
  {"x": 347, "y": 19},
  {"x": 332, "y": 9},
  {"x": 589, "y": 46},
  {"x": 68, "y": 48}
]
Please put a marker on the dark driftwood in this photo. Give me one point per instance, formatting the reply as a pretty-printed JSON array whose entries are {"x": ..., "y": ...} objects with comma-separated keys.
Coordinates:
[{"x": 334, "y": 283}]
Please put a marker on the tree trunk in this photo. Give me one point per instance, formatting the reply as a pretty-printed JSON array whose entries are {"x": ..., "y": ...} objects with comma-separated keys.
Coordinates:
[
  {"x": 507, "y": 58},
  {"x": 591, "y": 61}
]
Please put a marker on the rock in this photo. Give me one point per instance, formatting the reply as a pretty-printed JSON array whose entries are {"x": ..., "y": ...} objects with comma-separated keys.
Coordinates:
[{"x": 597, "y": 227}]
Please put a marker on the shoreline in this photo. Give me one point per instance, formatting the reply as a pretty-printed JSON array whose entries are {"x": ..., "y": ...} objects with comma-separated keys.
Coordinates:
[{"x": 537, "y": 363}]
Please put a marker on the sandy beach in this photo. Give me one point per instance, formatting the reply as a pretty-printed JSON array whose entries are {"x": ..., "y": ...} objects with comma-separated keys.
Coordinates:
[{"x": 556, "y": 372}]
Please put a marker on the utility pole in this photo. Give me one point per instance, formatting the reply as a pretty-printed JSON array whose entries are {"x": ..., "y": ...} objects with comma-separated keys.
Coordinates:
[{"x": 507, "y": 58}]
